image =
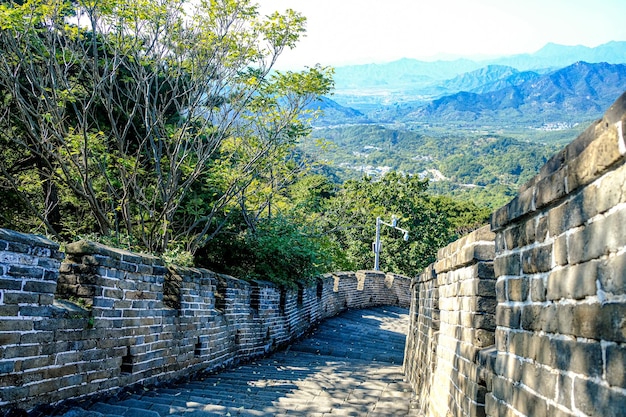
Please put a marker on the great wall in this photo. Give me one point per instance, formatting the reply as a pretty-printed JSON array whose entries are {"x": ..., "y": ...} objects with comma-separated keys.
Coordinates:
[{"x": 524, "y": 317}]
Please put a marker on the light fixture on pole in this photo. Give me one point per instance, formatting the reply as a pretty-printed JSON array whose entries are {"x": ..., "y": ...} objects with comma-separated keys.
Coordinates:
[{"x": 377, "y": 244}]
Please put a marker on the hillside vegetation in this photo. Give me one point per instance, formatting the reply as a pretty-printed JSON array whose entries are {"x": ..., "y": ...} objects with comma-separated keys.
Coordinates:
[{"x": 488, "y": 168}]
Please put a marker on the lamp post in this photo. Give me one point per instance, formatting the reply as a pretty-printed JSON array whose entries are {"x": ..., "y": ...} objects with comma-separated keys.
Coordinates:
[{"x": 377, "y": 244}]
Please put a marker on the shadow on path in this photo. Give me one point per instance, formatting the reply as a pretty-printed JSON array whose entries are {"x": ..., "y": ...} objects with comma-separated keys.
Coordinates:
[{"x": 351, "y": 365}]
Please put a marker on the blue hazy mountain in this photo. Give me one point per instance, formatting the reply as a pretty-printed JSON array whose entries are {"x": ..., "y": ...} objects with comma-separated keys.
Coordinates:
[
  {"x": 582, "y": 90},
  {"x": 557, "y": 80},
  {"x": 411, "y": 73}
]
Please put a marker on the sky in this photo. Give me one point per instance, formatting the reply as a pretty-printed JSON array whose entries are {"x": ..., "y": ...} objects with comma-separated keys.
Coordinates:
[{"x": 348, "y": 32}]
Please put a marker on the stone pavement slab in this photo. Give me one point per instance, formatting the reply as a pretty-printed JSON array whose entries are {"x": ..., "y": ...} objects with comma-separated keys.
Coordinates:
[{"x": 350, "y": 365}]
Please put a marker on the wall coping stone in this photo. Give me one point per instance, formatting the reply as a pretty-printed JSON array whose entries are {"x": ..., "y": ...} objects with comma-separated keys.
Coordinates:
[
  {"x": 236, "y": 282},
  {"x": 86, "y": 247},
  {"x": 259, "y": 283},
  {"x": 477, "y": 246},
  {"x": 29, "y": 239}
]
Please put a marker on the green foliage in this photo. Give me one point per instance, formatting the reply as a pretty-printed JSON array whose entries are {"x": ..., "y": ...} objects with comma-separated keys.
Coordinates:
[
  {"x": 161, "y": 127},
  {"x": 432, "y": 222},
  {"x": 319, "y": 227},
  {"x": 177, "y": 255},
  {"x": 277, "y": 250},
  {"x": 148, "y": 119},
  {"x": 481, "y": 166}
]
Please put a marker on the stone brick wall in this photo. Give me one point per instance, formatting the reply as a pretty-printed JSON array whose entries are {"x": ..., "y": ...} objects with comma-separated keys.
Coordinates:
[
  {"x": 452, "y": 318},
  {"x": 29, "y": 368},
  {"x": 106, "y": 319},
  {"x": 559, "y": 346},
  {"x": 561, "y": 266}
]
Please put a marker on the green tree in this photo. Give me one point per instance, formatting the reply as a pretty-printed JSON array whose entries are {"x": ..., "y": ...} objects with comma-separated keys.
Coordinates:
[
  {"x": 433, "y": 222},
  {"x": 149, "y": 117},
  {"x": 280, "y": 249}
]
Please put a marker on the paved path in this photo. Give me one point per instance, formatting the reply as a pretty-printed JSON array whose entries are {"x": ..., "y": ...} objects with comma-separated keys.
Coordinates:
[{"x": 350, "y": 366}]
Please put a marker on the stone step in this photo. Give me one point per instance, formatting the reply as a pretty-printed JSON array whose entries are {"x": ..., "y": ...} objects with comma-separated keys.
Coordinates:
[
  {"x": 144, "y": 403},
  {"x": 120, "y": 410},
  {"x": 80, "y": 412}
]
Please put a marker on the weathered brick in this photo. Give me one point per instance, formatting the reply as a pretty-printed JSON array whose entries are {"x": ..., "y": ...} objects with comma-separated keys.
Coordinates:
[
  {"x": 612, "y": 274},
  {"x": 559, "y": 250},
  {"x": 520, "y": 235},
  {"x": 573, "y": 282},
  {"x": 9, "y": 311},
  {"x": 25, "y": 271},
  {"x": 501, "y": 290},
  {"x": 599, "y": 321},
  {"x": 507, "y": 265},
  {"x": 9, "y": 338},
  {"x": 529, "y": 404},
  {"x": 537, "y": 259},
  {"x": 10, "y": 284},
  {"x": 539, "y": 317},
  {"x": 500, "y": 243},
  {"x": 564, "y": 390},
  {"x": 37, "y": 337},
  {"x": 616, "y": 366},
  {"x": 595, "y": 400},
  {"x": 551, "y": 188},
  {"x": 610, "y": 192},
  {"x": 558, "y": 219},
  {"x": 539, "y": 379},
  {"x": 43, "y": 287},
  {"x": 522, "y": 204},
  {"x": 20, "y": 351},
  {"x": 583, "y": 358},
  {"x": 500, "y": 218},
  {"x": 35, "y": 311},
  {"x": 594, "y": 159},
  {"x": 593, "y": 241},
  {"x": 7, "y": 366},
  {"x": 537, "y": 290},
  {"x": 14, "y": 395},
  {"x": 508, "y": 316},
  {"x": 517, "y": 289},
  {"x": 510, "y": 367},
  {"x": 20, "y": 298},
  {"x": 541, "y": 232},
  {"x": 16, "y": 325}
]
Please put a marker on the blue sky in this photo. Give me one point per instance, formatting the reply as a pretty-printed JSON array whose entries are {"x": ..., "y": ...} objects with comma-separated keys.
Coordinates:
[{"x": 344, "y": 32}]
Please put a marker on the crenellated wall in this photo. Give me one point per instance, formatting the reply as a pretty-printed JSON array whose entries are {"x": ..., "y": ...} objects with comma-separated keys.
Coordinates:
[
  {"x": 132, "y": 321},
  {"x": 556, "y": 285}
]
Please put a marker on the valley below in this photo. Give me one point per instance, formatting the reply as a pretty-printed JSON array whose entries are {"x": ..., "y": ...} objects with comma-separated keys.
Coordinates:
[{"x": 475, "y": 130}]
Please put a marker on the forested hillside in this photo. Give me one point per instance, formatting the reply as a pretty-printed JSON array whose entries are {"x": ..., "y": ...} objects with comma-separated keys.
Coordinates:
[
  {"x": 164, "y": 129},
  {"x": 488, "y": 166}
]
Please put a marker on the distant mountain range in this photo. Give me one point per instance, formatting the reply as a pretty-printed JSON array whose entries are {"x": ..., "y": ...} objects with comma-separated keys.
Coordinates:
[
  {"x": 407, "y": 73},
  {"x": 557, "y": 83},
  {"x": 581, "y": 90}
]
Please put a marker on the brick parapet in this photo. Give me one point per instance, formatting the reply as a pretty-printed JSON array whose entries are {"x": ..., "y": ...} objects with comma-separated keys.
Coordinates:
[
  {"x": 133, "y": 321},
  {"x": 453, "y": 318},
  {"x": 560, "y": 339},
  {"x": 558, "y": 289}
]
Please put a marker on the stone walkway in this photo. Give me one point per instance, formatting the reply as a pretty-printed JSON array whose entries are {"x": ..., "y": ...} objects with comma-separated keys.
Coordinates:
[{"x": 350, "y": 366}]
